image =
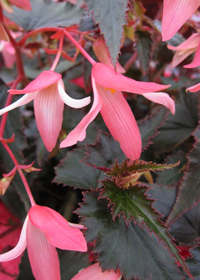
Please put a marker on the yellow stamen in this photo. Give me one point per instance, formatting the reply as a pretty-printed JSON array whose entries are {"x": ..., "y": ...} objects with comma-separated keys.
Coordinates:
[{"x": 111, "y": 90}]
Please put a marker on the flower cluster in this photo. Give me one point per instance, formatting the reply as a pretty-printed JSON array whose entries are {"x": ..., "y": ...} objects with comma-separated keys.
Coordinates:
[{"x": 44, "y": 229}]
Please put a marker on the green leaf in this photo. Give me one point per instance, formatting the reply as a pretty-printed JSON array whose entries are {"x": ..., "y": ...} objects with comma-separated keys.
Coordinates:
[
  {"x": 172, "y": 176},
  {"x": 189, "y": 188},
  {"x": 186, "y": 229},
  {"x": 149, "y": 126},
  {"x": 138, "y": 166},
  {"x": 46, "y": 14},
  {"x": 74, "y": 172},
  {"x": 144, "y": 47},
  {"x": 104, "y": 152},
  {"x": 14, "y": 125},
  {"x": 180, "y": 126},
  {"x": 131, "y": 248},
  {"x": 134, "y": 204},
  {"x": 110, "y": 15},
  {"x": 163, "y": 197}
]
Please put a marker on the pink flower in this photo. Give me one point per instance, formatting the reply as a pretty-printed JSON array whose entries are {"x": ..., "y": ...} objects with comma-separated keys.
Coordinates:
[
  {"x": 49, "y": 96},
  {"x": 108, "y": 99},
  {"x": 192, "y": 44},
  {"x": 43, "y": 230},
  {"x": 94, "y": 272},
  {"x": 175, "y": 14}
]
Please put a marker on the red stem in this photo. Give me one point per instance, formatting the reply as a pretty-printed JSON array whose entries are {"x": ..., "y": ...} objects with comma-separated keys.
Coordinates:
[
  {"x": 56, "y": 60},
  {"x": 36, "y": 31},
  {"x": 81, "y": 49},
  {"x": 8, "y": 102},
  {"x": 20, "y": 172}
]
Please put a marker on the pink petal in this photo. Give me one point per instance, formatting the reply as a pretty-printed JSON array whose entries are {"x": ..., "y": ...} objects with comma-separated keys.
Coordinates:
[
  {"x": 3, "y": 34},
  {"x": 191, "y": 43},
  {"x": 180, "y": 56},
  {"x": 9, "y": 55},
  {"x": 56, "y": 229},
  {"x": 79, "y": 133},
  {"x": 94, "y": 272},
  {"x": 71, "y": 102},
  {"x": 121, "y": 122},
  {"x": 42, "y": 255},
  {"x": 19, "y": 248},
  {"x": 48, "y": 108},
  {"x": 22, "y": 4},
  {"x": 196, "y": 60},
  {"x": 175, "y": 14},
  {"x": 107, "y": 77},
  {"x": 161, "y": 98},
  {"x": 21, "y": 101},
  {"x": 43, "y": 80},
  {"x": 194, "y": 88},
  {"x": 103, "y": 56}
]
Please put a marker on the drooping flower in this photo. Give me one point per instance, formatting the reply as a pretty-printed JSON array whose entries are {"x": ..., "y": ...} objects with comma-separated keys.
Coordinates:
[
  {"x": 108, "y": 99},
  {"x": 43, "y": 230},
  {"x": 192, "y": 44},
  {"x": 22, "y": 4},
  {"x": 175, "y": 14},
  {"x": 49, "y": 96},
  {"x": 94, "y": 272}
]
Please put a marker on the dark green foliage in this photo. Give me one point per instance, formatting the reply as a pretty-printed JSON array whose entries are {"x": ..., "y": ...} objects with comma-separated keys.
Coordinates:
[
  {"x": 110, "y": 15},
  {"x": 144, "y": 46},
  {"x": 127, "y": 247}
]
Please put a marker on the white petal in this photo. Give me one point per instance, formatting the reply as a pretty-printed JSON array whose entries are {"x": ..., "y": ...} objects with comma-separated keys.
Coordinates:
[
  {"x": 19, "y": 248},
  {"x": 22, "y": 101},
  {"x": 71, "y": 102}
]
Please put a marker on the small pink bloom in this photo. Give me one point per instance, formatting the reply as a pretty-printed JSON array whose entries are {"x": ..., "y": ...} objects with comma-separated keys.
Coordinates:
[
  {"x": 94, "y": 272},
  {"x": 108, "y": 99},
  {"x": 185, "y": 49},
  {"x": 43, "y": 230},
  {"x": 175, "y": 14},
  {"x": 49, "y": 96}
]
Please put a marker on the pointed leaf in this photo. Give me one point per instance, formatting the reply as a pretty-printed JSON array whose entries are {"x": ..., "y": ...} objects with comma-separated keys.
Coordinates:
[
  {"x": 149, "y": 126},
  {"x": 110, "y": 15},
  {"x": 75, "y": 173},
  {"x": 189, "y": 188},
  {"x": 104, "y": 152},
  {"x": 144, "y": 46},
  {"x": 184, "y": 121},
  {"x": 131, "y": 248},
  {"x": 134, "y": 204},
  {"x": 172, "y": 176}
]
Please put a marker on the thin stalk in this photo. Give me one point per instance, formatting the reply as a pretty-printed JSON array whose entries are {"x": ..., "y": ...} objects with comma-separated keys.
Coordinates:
[
  {"x": 8, "y": 102},
  {"x": 20, "y": 173},
  {"x": 81, "y": 49},
  {"x": 55, "y": 63}
]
